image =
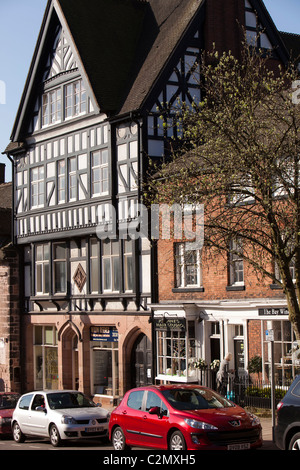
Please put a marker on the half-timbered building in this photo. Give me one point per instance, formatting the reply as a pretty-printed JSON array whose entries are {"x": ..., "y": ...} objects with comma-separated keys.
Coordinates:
[{"x": 96, "y": 109}]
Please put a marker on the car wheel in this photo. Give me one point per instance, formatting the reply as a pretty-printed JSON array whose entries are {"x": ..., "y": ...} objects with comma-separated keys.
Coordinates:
[
  {"x": 118, "y": 440},
  {"x": 177, "y": 441},
  {"x": 295, "y": 442},
  {"x": 55, "y": 436},
  {"x": 17, "y": 433}
]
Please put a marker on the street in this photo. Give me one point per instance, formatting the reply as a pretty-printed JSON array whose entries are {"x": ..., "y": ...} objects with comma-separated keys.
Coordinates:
[{"x": 95, "y": 445}]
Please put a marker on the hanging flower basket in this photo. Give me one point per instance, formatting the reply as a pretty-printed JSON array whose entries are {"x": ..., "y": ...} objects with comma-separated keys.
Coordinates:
[
  {"x": 215, "y": 365},
  {"x": 200, "y": 364}
]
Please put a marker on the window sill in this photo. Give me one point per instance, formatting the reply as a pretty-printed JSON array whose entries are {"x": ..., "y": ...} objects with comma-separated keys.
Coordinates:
[
  {"x": 235, "y": 288},
  {"x": 188, "y": 289}
]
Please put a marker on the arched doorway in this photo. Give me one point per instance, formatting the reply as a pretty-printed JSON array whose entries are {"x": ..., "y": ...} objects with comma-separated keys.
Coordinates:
[
  {"x": 141, "y": 362},
  {"x": 70, "y": 368}
]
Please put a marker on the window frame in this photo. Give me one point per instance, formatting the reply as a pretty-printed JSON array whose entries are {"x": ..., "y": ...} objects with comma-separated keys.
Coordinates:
[
  {"x": 39, "y": 184},
  {"x": 181, "y": 265},
  {"x": 44, "y": 264},
  {"x": 235, "y": 260}
]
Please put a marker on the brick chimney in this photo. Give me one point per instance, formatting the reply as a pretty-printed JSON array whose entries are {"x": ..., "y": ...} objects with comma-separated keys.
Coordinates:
[{"x": 2, "y": 173}]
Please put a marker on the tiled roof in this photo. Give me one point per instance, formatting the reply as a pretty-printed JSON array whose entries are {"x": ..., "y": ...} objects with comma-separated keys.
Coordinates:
[
  {"x": 124, "y": 44},
  {"x": 292, "y": 43}
]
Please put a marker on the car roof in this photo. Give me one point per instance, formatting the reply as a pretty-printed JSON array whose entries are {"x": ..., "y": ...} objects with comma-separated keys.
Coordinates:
[
  {"x": 51, "y": 391},
  {"x": 169, "y": 387}
]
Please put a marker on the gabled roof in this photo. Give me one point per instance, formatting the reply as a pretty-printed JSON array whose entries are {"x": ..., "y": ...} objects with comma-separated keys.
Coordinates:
[
  {"x": 292, "y": 43},
  {"x": 121, "y": 47}
]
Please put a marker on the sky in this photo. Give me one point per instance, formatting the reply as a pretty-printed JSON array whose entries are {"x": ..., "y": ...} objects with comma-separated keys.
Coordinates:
[{"x": 20, "y": 22}]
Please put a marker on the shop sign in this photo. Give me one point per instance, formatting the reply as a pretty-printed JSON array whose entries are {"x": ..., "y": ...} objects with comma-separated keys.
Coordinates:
[
  {"x": 170, "y": 324},
  {"x": 273, "y": 311},
  {"x": 104, "y": 333}
]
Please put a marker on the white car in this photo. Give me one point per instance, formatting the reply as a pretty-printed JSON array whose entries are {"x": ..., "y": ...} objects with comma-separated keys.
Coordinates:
[{"x": 59, "y": 415}]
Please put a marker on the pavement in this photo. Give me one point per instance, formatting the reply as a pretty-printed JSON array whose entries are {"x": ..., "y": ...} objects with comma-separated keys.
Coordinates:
[{"x": 267, "y": 430}]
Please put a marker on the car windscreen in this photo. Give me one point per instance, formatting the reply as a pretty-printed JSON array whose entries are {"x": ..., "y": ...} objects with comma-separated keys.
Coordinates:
[
  {"x": 8, "y": 401},
  {"x": 195, "y": 399},
  {"x": 59, "y": 401}
]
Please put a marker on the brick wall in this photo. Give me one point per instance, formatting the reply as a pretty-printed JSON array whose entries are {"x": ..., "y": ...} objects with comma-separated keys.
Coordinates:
[
  {"x": 10, "y": 348},
  {"x": 215, "y": 279}
]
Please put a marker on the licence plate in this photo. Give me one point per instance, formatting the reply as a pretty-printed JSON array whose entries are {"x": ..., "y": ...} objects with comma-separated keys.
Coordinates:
[
  {"x": 99, "y": 429},
  {"x": 239, "y": 446}
]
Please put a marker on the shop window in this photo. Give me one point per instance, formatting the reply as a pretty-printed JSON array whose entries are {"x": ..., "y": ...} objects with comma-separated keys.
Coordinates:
[
  {"x": 176, "y": 353},
  {"x": 286, "y": 352},
  {"x": 45, "y": 358},
  {"x": 105, "y": 368}
]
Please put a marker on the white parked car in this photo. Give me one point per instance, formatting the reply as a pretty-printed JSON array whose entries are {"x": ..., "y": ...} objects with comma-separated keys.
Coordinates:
[{"x": 59, "y": 415}]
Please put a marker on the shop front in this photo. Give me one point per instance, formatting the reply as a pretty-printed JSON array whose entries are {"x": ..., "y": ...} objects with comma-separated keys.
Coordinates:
[
  {"x": 102, "y": 356},
  {"x": 176, "y": 329},
  {"x": 191, "y": 337}
]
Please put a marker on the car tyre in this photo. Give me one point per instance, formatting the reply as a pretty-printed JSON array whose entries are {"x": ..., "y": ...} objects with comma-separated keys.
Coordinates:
[
  {"x": 295, "y": 442},
  {"x": 118, "y": 440},
  {"x": 177, "y": 441},
  {"x": 55, "y": 438},
  {"x": 17, "y": 433}
]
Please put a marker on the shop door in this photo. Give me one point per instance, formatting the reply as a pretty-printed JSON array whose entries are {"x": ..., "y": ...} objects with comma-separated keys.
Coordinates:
[{"x": 141, "y": 362}]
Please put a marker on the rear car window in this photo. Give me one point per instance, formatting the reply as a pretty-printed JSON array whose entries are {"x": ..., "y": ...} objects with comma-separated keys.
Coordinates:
[
  {"x": 25, "y": 402},
  {"x": 296, "y": 389},
  {"x": 135, "y": 400}
]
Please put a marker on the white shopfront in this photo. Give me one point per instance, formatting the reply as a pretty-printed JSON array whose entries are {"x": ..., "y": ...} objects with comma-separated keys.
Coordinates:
[{"x": 193, "y": 331}]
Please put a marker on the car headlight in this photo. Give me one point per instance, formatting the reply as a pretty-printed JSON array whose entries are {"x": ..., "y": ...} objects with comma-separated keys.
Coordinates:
[
  {"x": 4, "y": 420},
  {"x": 194, "y": 423},
  {"x": 67, "y": 420},
  {"x": 254, "y": 419}
]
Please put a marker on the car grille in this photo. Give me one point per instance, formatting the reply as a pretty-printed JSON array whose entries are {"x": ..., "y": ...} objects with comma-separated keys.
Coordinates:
[
  {"x": 233, "y": 437},
  {"x": 87, "y": 421}
]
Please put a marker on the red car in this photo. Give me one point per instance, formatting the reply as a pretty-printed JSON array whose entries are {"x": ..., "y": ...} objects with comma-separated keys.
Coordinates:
[
  {"x": 8, "y": 401},
  {"x": 182, "y": 417}
]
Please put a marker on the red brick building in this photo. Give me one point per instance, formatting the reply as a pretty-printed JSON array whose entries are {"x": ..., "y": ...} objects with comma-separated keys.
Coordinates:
[
  {"x": 209, "y": 308},
  {"x": 10, "y": 332}
]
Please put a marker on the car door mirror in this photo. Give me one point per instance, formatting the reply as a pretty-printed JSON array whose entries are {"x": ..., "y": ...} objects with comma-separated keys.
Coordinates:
[
  {"x": 40, "y": 408},
  {"x": 155, "y": 411}
]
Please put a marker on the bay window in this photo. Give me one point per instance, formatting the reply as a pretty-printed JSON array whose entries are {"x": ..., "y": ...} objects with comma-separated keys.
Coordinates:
[{"x": 176, "y": 349}]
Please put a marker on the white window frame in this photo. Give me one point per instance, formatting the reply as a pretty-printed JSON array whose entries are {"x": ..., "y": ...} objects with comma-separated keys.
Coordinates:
[
  {"x": 37, "y": 185},
  {"x": 182, "y": 264},
  {"x": 101, "y": 169},
  {"x": 235, "y": 261}
]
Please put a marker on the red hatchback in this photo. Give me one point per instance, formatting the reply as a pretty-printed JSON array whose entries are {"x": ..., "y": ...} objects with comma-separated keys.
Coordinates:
[
  {"x": 8, "y": 401},
  {"x": 182, "y": 417}
]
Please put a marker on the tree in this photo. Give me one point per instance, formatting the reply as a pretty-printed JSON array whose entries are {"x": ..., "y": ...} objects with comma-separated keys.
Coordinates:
[{"x": 239, "y": 157}]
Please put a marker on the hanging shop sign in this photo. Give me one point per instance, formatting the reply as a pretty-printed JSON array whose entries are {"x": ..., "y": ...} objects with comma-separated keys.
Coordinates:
[
  {"x": 104, "y": 333},
  {"x": 272, "y": 311},
  {"x": 170, "y": 324}
]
